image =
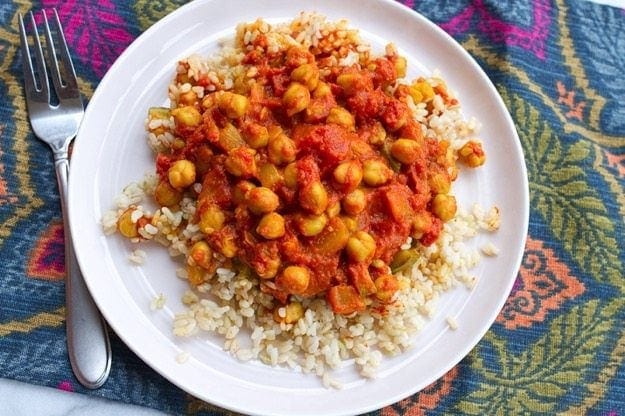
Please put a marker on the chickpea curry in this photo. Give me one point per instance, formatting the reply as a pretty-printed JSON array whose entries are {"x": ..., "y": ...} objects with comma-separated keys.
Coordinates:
[{"x": 314, "y": 176}]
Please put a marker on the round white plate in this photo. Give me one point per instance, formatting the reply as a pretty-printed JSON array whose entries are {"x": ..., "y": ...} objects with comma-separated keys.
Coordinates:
[{"x": 111, "y": 151}]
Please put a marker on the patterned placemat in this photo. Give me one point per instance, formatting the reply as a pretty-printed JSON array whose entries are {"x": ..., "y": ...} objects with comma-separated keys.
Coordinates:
[{"x": 558, "y": 344}]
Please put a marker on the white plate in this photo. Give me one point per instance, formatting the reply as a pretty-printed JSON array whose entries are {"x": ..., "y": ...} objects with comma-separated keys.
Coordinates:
[{"x": 111, "y": 151}]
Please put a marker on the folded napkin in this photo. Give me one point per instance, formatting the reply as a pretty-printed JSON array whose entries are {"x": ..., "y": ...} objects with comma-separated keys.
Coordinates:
[{"x": 558, "y": 344}]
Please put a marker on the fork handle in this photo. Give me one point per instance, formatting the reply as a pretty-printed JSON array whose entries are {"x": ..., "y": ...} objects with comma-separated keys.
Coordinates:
[{"x": 88, "y": 343}]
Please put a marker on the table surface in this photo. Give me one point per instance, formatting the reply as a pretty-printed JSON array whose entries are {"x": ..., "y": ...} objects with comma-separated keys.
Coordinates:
[{"x": 564, "y": 290}]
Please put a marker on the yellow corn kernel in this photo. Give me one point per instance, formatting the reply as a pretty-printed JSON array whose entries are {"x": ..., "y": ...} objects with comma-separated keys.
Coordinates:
[
  {"x": 444, "y": 206},
  {"x": 281, "y": 149},
  {"x": 201, "y": 254},
  {"x": 261, "y": 200},
  {"x": 406, "y": 150},
  {"x": 342, "y": 117},
  {"x": 181, "y": 174},
  {"x": 360, "y": 247},
  {"x": 348, "y": 174},
  {"x": 166, "y": 195},
  {"x": 271, "y": 226},
  {"x": 376, "y": 173},
  {"x": 125, "y": 226},
  {"x": 314, "y": 198},
  {"x": 311, "y": 225},
  {"x": 296, "y": 98},
  {"x": 306, "y": 74},
  {"x": 294, "y": 279},
  {"x": 240, "y": 162},
  {"x": 472, "y": 154},
  {"x": 232, "y": 105},
  {"x": 187, "y": 116},
  {"x": 211, "y": 219},
  {"x": 355, "y": 202},
  {"x": 256, "y": 135}
]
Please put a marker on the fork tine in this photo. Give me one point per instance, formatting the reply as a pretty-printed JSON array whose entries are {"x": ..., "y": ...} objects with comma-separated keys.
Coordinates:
[
  {"x": 41, "y": 93},
  {"x": 64, "y": 78}
]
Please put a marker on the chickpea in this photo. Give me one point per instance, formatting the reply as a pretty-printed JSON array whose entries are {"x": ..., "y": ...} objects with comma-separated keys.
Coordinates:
[
  {"x": 472, "y": 154},
  {"x": 322, "y": 90},
  {"x": 314, "y": 198},
  {"x": 281, "y": 149},
  {"x": 342, "y": 117},
  {"x": 444, "y": 206},
  {"x": 307, "y": 74},
  {"x": 439, "y": 183},
  {"x": 377, "y": 134},
  {"x": 196, "y": 275},
  {"x": 269, "y": 268},
  {"x": 348, "y": 174},
  {"x": 352, "y": 82},
  {"x": 376, "y": 173},
  {"x": 187, "y": 116},
  {"x": 240, "y": 162},
  {"x": 181, "y": 174},
  {"x": 296, "y": 98},
  {"x": 126, "y": 226},
  {"x": 187, "y": 98},
  {"x": 261, "y": 200},
  {"x": 333, "y": 209},
  {"x": 350, "y": 222},
  {"x": 166, "y": 195},
  {"x": 212, "y": 219},
  {"x": 360, "y": 247},
  {"x": 311, "y": 225},
  {"x": 293, "y": 311},
  {"x": 294, "y": 279},
  {"x": 421, "y": 223},
  {"x": 227, "y": 246},
  {"x": 209, "y": 101},
  {"x": 201, "y": 254},
  {"x": 233, "y": 105},
  {"x": 239, "y": 191},
  {"x": 256, "y": 135},
  {"x": 290, "y": 175},
  {"x": 386, "y": 287},
  {"x": 271, "y": 226},
  {"x": 355, "y": 202},
  {"x": 406, "y": 151}
]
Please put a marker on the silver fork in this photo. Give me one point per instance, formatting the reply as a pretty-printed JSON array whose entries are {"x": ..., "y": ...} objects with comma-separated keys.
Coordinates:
[{"x": 87, "y": 338}]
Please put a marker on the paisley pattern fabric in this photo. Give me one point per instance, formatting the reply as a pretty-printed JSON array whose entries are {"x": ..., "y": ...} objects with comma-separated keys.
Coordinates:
[{"x": 558, "y": 345}]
